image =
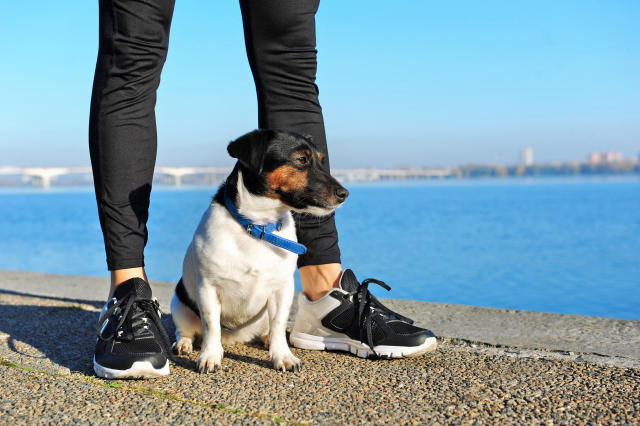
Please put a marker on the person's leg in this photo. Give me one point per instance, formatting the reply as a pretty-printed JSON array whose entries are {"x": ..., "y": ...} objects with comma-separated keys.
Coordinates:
[
  {"x": 281, "y": 46},
  {"x": 133, "y": 43},
  {"x": 118, "y": 276}
]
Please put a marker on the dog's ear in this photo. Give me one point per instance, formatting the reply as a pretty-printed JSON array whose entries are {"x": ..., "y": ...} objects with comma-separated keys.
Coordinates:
[{"x": 251, "y": 148}]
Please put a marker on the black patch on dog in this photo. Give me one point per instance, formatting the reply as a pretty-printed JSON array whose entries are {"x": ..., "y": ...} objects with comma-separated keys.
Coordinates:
[{"x": 250, "y": 149}]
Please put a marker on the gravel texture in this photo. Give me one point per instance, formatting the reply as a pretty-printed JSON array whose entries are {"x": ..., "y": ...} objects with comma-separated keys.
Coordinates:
[
  {"x": 35, "y": 398},
  {"x": 46, "y": 345}
]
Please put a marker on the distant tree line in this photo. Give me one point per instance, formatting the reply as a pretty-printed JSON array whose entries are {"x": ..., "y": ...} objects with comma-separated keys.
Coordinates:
[{"x": 483, "y": 170}]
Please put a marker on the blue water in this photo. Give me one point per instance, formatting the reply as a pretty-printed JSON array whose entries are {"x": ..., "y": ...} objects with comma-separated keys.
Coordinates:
[{"x": 554, "y": 245}]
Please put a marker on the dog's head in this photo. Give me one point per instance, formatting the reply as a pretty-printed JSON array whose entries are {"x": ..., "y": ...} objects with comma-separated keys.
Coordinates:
[{"x": 287, "y": 167}]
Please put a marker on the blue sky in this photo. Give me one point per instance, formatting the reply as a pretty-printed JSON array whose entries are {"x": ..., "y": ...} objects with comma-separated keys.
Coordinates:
[{"x": 419, "y": 83}]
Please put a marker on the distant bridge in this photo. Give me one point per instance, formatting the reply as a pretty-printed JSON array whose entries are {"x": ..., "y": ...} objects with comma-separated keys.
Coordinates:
[
  {"x": 43, "y": 176},
  {"x": 359, "y": 175},
  {"x": 178, "y": 172}
]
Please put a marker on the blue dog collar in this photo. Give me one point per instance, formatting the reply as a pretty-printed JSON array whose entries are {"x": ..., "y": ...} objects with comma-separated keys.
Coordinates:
[{"x": 262, "y": 232}]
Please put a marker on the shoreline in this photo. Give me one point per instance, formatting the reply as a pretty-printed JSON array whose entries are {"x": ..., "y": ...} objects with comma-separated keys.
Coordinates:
[{"x": 160, "y": 184}]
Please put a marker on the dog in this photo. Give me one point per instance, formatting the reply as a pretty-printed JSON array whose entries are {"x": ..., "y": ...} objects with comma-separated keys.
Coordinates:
[{"x": 237, "y": 283}]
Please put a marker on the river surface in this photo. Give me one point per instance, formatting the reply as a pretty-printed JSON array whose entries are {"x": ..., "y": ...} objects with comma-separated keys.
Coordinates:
[{"x": 566, "y": 245}]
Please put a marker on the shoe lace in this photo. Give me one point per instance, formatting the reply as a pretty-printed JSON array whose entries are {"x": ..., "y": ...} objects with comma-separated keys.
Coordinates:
[
  {"x": 366, "y": 305},
  {"x": 136, "y": 312}
]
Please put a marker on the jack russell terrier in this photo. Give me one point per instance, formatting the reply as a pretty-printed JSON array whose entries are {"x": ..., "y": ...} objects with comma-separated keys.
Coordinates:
[{"x": 237, "y": 281}]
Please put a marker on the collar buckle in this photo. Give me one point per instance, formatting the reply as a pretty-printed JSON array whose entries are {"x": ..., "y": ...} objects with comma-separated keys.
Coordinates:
[{"x": 261, "y": 228}]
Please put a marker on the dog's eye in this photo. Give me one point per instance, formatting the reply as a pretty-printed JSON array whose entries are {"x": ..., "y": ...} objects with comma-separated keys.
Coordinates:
[{"x": 302, "y": 160}]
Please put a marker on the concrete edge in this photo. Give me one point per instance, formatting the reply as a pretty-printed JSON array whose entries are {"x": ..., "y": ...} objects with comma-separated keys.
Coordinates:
[{"x": 568, "y": 335}]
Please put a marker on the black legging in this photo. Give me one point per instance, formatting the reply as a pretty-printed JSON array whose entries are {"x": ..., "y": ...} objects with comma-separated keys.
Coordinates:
[{"x": 134, "y": 39}]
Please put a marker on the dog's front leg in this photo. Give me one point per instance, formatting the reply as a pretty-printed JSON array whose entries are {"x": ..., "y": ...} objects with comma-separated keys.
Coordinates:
[
  {"x": 278, "y": 305},
  {"x": 211, "y": 352}
]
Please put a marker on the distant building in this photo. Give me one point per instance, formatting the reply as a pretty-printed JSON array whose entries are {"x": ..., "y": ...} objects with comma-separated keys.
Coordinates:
[
  {"x": 595, "y": 158},
  {"x": 612, "y": 157},
  {"x": 526, "y": 156},
  {"x": 605, "y": 157}
]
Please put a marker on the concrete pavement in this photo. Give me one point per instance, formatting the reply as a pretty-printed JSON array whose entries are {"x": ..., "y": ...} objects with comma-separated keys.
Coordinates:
[{"x": 492, "y": 366}]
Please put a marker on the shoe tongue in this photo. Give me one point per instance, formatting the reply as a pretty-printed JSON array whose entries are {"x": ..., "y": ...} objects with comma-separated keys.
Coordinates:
[
  {"x": 348, "y": 281},
  {"x": 136, "y": 286}
]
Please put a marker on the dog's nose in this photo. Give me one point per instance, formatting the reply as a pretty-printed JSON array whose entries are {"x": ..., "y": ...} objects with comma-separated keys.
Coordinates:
[{"x": 341, "y": 194}]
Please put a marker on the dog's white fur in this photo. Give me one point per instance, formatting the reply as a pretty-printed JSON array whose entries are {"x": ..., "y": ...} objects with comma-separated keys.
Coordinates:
[{"x": 232, "y": 276}]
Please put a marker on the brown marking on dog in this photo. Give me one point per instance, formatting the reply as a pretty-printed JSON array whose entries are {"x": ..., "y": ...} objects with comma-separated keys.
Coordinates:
[
  {"x": 286, "y": 179},
  {"x": 320, "y": 156}
]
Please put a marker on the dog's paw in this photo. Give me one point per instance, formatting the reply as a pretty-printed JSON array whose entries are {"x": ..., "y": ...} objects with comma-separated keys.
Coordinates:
[
  {"x": 183, "y": 346},
  {"x": 286, "y": 361},
  {"x": 208, "y": 361}
]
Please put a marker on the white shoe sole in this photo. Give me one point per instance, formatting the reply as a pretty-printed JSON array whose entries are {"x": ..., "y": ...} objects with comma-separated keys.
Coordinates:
[
  {"x": 139, "y": 370},
  {"x": 309, "y": 341}
]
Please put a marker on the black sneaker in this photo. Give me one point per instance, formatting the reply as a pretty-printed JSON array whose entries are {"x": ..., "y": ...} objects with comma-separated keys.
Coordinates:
[
  {"x": 349, "y": 318},
  {"x": 132, "y": 342}
]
